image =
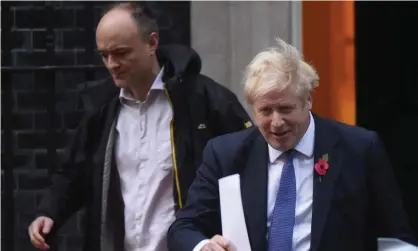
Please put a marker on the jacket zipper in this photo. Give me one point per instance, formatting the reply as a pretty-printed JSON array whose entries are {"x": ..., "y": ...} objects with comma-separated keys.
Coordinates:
[{"x": 173, "y": 151}]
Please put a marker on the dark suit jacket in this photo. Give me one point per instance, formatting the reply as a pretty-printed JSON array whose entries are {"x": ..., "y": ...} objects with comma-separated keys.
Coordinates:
[{"x": 355, "y": 202}]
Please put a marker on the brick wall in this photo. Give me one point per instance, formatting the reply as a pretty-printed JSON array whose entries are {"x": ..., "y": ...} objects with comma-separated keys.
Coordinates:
[{"x": 29, "y": 118}]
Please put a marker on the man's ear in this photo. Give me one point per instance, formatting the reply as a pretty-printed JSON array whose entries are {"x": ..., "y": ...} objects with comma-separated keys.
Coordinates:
[
  {"x": 153, "y": 41},
  {"x": 309, "y": 101}
]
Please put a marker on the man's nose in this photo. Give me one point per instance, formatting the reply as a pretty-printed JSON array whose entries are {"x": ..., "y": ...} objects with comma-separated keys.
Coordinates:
[
  {"x": 277, "y": 120},
  {"x": 112, "y": 63}
]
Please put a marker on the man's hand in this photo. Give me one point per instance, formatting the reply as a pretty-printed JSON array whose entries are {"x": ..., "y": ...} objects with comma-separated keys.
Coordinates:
[
  {"x": 39, "y": 228},
  {"x": 218, "y": 243}
]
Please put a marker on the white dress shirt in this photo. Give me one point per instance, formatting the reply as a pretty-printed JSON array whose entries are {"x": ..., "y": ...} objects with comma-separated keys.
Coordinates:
[
  {"x": 303, "y": 163},
  {"x": 144, "y": 162}
]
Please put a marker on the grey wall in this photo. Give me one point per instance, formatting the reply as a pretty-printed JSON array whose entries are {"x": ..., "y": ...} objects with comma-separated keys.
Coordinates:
[{"x": 229, "y": 34}]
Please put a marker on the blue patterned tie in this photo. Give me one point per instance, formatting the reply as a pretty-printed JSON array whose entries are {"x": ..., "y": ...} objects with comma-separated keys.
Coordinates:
[{"x": 283, "y": 218}]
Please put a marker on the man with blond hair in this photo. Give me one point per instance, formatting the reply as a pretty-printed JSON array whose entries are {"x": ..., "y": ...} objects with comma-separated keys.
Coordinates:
[{"x": 307, "y": 183}]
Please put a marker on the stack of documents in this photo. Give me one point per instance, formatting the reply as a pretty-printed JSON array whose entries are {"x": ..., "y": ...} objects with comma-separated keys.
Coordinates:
[{"x": 234, "y": 228}]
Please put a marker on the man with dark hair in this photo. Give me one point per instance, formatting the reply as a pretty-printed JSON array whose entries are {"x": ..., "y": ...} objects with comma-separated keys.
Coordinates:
[{"x": 132, "y": 160}]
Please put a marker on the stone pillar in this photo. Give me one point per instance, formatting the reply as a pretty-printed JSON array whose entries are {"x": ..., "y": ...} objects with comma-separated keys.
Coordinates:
[{"x": 228, "y": 34}]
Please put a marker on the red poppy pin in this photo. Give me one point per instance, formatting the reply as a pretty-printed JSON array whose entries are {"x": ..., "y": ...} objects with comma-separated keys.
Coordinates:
[{"x": 321, "y": 166}]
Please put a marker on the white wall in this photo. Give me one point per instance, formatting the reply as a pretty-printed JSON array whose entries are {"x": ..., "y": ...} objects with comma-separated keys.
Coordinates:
[{"x": 228, "y": 34}]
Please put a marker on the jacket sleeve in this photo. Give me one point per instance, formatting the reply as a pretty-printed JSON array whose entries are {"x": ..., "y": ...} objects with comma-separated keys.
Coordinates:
[
  {"x": 228, "y": 114},
  {"x": 388, "y": 215},
  {"x": 69, "y": 181},
  {"x": 199, "y": 219}
]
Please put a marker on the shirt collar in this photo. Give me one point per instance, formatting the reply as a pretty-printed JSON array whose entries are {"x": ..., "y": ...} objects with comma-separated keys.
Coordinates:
[
  {"x": 157, "y": 85},
  {"x": 305, "y": 145}
]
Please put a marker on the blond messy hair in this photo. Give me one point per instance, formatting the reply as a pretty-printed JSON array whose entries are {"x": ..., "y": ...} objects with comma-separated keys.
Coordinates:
[{"x": 276, "y": 69}]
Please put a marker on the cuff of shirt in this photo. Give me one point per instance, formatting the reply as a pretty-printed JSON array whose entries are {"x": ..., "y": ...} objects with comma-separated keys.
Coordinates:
[{"x": 200, "y": 245}]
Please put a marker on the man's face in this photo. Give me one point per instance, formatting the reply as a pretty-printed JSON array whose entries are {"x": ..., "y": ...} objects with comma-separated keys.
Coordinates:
[
  {"x": 124, "y": 51},
  {"x": 282, "y": 118}
]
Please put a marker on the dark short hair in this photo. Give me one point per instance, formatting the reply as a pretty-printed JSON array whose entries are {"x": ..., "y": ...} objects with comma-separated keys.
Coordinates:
[{"x": 143, "y": 16}]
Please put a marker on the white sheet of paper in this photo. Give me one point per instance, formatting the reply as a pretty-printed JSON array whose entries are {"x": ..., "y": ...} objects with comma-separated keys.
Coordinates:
[
  {"x": 232, "y": 212},
  {"x": 393, "y": 244}
]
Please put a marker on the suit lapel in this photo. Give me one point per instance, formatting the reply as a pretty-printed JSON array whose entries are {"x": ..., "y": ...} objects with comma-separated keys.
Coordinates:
[
  {"x": 254, "y": 190},
  {"x": 325, "y": 143}
]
